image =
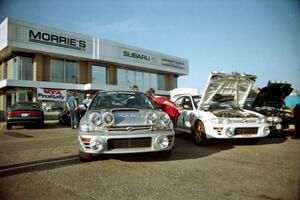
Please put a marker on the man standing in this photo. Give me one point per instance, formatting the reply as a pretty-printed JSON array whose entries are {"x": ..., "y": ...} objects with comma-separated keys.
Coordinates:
[
  {"x": 72, "y": 106},
  {"x": 86, "y": 102}
]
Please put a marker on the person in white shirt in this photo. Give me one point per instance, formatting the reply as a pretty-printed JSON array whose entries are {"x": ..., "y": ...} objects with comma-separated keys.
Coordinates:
[{"x": 87, "y": 101}]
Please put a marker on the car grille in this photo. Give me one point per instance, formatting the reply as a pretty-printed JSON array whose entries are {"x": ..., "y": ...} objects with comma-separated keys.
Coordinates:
[
  {"x": 128, "y": 128},
  {"x": 244, "y": 120},
  {"x": 243, "y": 131},
  {"x": 128, "y": 143}
]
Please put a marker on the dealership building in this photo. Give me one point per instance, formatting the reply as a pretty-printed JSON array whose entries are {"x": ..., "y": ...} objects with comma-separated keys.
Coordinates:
[{"x": 43, "y": 64}]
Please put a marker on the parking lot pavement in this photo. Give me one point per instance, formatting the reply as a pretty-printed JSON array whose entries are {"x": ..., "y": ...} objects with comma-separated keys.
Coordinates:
[{"x": 44, "y": 164}]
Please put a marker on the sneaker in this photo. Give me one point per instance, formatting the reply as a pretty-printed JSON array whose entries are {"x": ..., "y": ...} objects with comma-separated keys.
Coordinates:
[{"x": 75, "y": 126}]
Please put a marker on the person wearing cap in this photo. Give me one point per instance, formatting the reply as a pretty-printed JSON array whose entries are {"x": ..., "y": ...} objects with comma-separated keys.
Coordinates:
[
  {"x": 87, "y": 101},
  {"x": 165, "y": 105}
]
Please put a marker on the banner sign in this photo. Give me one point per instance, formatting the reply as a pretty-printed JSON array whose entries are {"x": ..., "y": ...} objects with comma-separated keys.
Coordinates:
[{"x": 51, "y": 94}]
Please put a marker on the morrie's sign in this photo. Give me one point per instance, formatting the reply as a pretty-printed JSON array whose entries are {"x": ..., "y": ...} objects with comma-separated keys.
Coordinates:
[
  {"x": 56, "y": 40},
  {"x": 51, "y": 94}
]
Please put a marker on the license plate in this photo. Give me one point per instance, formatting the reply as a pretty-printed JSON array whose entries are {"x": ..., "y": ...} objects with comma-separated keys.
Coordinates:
[{"x": 24, "y": 114}]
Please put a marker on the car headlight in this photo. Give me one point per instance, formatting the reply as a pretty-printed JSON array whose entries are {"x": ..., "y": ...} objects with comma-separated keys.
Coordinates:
[
  {"x": 164, "y": 119},
  {"x": 97, "y": 144},
  {"x": 162, "y": 142},
  {"x": 261, "y": 120},
  {"x": 277, "y": 119},
  {"x": 84, "y": 127},
  {"x": 266, "y": 130},
  {"x": 229, "y": 131},
  {"x": 95, "y": 118},
  {"x": 152, "y": 118},
  {"x": 108, "y": 118}
]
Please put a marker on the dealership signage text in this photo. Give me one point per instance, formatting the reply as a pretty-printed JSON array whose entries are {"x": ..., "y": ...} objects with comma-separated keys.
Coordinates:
[
  {"x": 56, "y": 40},
  {"x": 136, "y": 55}
]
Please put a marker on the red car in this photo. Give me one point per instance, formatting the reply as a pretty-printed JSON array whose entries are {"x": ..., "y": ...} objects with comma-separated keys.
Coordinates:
[{"x": 25, "y": 113}]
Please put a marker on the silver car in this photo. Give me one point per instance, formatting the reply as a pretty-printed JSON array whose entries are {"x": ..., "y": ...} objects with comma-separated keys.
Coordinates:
[{"x": 124, "y": 122}]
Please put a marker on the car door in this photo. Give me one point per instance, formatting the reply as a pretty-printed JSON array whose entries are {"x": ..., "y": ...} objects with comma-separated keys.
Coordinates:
[
  {"x": 188, "y": 107},
  {"x": 178, "y": 102}
]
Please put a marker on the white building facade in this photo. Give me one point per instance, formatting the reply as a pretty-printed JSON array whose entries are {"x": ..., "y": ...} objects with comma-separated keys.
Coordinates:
[{"x": 44, "y": 64}]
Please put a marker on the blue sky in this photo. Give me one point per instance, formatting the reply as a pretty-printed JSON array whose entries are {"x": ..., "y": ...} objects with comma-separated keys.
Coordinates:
[{"x": 260, "y": 37}]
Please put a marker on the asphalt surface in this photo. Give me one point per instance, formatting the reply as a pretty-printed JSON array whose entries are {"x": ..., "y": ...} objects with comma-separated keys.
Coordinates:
[{"x": 44, "y": 164}]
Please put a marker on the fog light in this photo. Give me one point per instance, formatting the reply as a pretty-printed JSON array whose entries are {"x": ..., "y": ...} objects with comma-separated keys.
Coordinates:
[
  {"x": 266, "y": 130},
  {"x": 162, "y": 142},
  {"x": 97, "y": 144},
  {"x": 229, "y": 131},
  {"x": 278, "y": 126}
]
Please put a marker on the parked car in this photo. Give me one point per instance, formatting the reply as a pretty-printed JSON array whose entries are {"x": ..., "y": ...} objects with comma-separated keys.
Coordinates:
[
  {"x": 64, "y": 116},
  {"x": 219, "y": 112},
  {"x": 270, "y": 102},
  {"x": 25, "y": 113},
  {"x": 124, "y": 122}
]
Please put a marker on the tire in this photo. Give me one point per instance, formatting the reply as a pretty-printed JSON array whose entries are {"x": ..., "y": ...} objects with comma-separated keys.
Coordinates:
[
  {"x": 165, "y": 154},
  {"x": 199, "y": 135},
  {"x": 8, "y": 126},
  {"x": 85, "y": 157}
]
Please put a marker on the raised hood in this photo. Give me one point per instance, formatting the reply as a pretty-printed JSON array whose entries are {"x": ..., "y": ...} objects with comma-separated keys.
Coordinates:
[
  {"x": 273, "y": 95},
  {"x": 223, "y": 87}
]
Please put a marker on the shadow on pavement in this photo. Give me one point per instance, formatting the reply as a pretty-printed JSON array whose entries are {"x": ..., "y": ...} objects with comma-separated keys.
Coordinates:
[{"x": 40, "y": 165}]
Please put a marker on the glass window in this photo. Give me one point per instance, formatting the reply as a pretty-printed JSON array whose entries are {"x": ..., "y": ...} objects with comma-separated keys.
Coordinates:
[
  {"x": 23, "y": 68},
  {"x": 161, "y": 82},
  {"x": 146, "y": 81},
  {"x": 174, "y": 81},
  {"x": 71, "y": 72},
  {"x": 130, "y": 78},
  {"x": 139, "y": 79},
  {"x": 57, "y": 71},
  {"x": 98, "y": 74},
  {"x": 64, "y": 71},
  {"x": 122, "y": 78},
  {"x": 153, "y": 79}
]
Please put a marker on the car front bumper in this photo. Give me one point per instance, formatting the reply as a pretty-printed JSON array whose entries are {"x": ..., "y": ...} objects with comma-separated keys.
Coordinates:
[{"x": 124, "y": 142}]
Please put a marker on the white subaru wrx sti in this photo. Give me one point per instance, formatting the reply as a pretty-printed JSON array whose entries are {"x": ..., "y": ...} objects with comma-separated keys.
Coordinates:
[{"x": 219, "y": 112}]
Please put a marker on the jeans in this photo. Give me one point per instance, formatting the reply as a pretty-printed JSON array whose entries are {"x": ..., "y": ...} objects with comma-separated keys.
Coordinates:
[{"x": 74, "y": 118}]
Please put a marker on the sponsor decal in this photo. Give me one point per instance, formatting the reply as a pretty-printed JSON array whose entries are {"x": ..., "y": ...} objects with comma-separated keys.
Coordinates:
[
  {"x": 136, "y": 55},
  {"x": 51, "y": 94},
  {"x": 56, "y": 40},
  {"x": 125, "y": 115}
]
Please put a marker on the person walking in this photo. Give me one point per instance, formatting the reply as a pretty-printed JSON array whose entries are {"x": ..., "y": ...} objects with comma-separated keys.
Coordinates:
[{"x": 72, "y": 106}]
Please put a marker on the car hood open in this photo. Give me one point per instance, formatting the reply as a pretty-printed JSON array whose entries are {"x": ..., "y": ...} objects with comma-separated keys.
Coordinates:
[
  {"x": 221, "y": 87},
  {"x": 273, "y": 95}
]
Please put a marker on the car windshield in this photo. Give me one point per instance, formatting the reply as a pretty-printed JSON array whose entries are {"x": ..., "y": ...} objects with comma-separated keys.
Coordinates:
[
  {"x": 25, "y": 105},
  {"x": 221, "y": 106},
  {"x": 111, "y": 100}
]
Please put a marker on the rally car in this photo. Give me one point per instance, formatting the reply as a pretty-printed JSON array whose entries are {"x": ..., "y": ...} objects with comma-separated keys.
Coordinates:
[
  {"x": 270, "y": 102},
  {"x": 124, "y": 122},
  {"x": 219, "y": 112}
]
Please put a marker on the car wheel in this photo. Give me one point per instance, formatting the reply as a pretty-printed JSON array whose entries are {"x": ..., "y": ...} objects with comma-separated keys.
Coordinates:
[
  {"x": 165, "y": 154},
  {"x": 199, "y": 135},
  {"x": 8, "y": 126},
  {"x": 85, "y": 157}
]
